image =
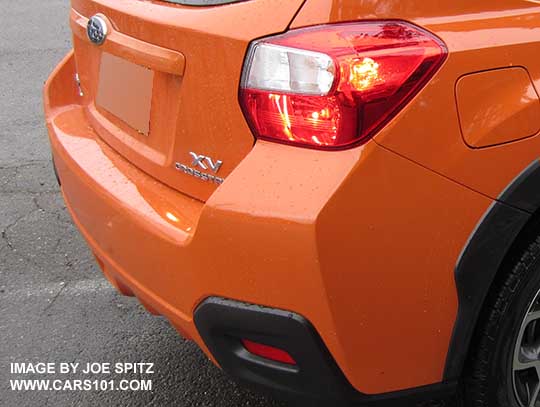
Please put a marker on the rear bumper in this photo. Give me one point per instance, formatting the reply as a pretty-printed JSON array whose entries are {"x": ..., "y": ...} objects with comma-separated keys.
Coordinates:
[{"x": 352, "y": 241}]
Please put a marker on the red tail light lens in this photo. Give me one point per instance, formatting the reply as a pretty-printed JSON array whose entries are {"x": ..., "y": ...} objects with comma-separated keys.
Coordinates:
[
  {"x": 268, "y": 352},
  {"x": 335, "y": 86}
]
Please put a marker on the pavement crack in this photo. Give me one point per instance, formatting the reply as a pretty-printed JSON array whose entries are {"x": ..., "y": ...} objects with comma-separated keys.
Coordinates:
[
  {"x": 28, "y": 191},
  {"x": 8, "y": 242},
  {"x": 30, "y": 163},
  {"x": 5, "y": 231},
  {"x": 53, "y": 300},
  {"x": 36, "y": 203},
  {"x": 12, "y": 225}
]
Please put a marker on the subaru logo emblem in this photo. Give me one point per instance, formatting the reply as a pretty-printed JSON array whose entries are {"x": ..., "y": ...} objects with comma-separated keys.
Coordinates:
[{"x": 97, "y": 30}]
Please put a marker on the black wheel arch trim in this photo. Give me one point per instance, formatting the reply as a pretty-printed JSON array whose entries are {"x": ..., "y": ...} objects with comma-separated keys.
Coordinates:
[
  {"x": 524, "y": 191},
  {"x": 483, "y": 255}
]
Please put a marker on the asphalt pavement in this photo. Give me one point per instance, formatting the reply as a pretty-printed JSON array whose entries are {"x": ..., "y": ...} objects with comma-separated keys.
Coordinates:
[{"x": 55, "y": 305}]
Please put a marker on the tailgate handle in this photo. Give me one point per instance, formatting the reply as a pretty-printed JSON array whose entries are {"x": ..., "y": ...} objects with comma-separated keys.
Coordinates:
[{"x": 132, "y": 49}]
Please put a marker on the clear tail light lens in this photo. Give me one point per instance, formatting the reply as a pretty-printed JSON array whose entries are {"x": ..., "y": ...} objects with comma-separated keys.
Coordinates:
[{"x": 334, "y": 86}]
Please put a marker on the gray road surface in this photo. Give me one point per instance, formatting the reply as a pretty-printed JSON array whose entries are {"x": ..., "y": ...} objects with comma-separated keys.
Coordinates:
[{"x": 54, "y": 303}]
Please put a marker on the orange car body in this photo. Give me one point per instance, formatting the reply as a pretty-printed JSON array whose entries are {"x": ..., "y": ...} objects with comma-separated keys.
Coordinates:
[{"x": 362, "y": 242}]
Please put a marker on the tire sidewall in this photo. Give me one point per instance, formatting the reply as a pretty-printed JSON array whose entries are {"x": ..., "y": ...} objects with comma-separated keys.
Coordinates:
[{"x": 520, "y": 297}]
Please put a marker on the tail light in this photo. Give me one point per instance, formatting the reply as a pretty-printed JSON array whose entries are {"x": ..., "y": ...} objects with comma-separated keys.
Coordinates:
[{"x": 334, "y": 86}]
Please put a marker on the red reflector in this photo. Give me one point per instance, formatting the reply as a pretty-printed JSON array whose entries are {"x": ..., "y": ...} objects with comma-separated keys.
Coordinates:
[
  {"x": 268, "y": 352},
  {"x": 334, "y": 86}
]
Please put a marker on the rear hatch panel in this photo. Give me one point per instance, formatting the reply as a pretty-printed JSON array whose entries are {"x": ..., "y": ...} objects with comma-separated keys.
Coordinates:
[{"x": 164, "y": 85}]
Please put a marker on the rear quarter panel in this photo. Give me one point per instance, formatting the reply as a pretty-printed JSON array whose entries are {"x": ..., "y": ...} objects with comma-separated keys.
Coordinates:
[{"x": 480, "y": 36}]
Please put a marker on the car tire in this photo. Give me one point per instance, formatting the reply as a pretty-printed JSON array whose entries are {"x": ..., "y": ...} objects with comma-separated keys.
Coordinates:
[{"x": 496, "y": 375}]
